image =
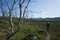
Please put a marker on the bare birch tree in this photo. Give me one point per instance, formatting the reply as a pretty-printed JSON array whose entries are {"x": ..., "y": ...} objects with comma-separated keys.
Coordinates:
[
  {"x": 12, "y": 32},
  {"x": 25, "y": 7},
  {"x": 20, "y": 17},
  {"x": 2, "y": 9}
]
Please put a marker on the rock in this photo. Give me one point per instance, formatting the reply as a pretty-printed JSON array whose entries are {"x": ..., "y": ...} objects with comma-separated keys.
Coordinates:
[{"x": 31, "y": 37}]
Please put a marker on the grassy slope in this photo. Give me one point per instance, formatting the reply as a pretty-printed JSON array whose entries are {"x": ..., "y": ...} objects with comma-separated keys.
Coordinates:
[{"x": 32, "y": 28}]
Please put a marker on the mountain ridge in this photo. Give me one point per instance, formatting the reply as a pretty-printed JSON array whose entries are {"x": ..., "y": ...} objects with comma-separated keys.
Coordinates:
[
  {"x": 47, "y": 19},
  {"x": 39, "y": 19}
]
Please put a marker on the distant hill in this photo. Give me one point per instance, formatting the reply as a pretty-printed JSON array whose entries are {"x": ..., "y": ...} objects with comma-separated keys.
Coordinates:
[
  {"x": 38, "y": 19},
  {"x": 47, "y": 19}
]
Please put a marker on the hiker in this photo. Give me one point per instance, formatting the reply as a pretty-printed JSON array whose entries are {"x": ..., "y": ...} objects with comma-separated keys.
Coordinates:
[{"x": 48, "y": 26}]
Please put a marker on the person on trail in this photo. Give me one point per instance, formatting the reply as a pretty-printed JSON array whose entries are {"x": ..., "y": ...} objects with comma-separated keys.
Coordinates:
[{"x": 48, "y": 26}]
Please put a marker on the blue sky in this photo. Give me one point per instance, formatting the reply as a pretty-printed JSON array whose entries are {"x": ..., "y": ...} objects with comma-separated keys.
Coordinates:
[
  {"x": 44, "y": 8},
  {"x": 47, "y": 8}
]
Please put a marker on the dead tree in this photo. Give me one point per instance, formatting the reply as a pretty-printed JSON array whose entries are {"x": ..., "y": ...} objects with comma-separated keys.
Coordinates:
[
  {"x": 12, "y": 32},
  {"x": 25, "y": 7},
  {"x": 2, "y": 9}
]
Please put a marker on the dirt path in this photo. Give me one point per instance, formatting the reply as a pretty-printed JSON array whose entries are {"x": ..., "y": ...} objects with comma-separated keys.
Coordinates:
[{"x": 48, "y": 36}]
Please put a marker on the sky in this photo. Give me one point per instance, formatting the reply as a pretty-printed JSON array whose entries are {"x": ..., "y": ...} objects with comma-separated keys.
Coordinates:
[
  {"x": 43, "y": 8},
  {"x": 46, "y": 8}
]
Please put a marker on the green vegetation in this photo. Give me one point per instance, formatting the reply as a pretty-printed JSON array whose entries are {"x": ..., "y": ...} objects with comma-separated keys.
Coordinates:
[{"x": 33, "y": 28}]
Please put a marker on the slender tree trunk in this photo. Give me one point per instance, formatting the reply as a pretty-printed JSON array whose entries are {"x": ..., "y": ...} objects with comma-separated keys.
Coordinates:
[{"x": 20, "y": 16}]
